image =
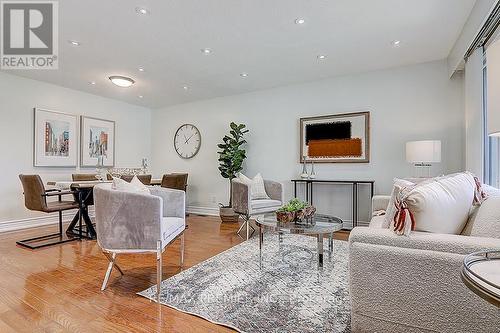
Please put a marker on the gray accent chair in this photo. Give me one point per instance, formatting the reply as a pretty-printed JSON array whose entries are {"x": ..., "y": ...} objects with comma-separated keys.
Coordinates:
[
  {"x": 244, "y": 206},
  {"x": 138, "y": 223}
]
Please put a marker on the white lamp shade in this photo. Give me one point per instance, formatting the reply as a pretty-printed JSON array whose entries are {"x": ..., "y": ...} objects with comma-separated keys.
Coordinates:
[
  {"x": 493, "y": 86},
  {"x": 427, "y": 151}
]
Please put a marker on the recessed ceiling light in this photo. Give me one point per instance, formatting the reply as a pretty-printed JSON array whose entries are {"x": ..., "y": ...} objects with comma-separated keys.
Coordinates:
[
  {"x": 92, "y": 83},
  {"x": 206, "y": 51},
  {"x": 142, "y": 10},
  {"x": 396, "y": 43},
  {"x": 141, "y": 69},
  {"x": 185, "y": 87},
  {"x": 74, "y": 42},
  {"x": 321, "y": 57},
  {"x": 300, "y": 21},
  {"x": 244, "y": 74},
  {"x": 121, "y": 81},
  {"x": 140, "y": 96}
]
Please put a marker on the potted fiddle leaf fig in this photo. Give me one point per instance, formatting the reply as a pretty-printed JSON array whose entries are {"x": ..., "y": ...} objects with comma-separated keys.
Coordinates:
[{"x": 231, "y": 157}]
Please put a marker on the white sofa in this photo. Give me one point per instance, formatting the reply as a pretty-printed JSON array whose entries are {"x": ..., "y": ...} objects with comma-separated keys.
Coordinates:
[{"x": 413, "y": 284}]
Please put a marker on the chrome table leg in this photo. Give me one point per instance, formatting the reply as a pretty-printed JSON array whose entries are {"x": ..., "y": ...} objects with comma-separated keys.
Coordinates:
[
  {"x": 261, "y": 240},
  {"x": 320, "y": 251}
]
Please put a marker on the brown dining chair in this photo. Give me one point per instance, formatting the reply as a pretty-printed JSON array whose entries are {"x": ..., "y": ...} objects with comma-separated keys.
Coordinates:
[
  {"x": 82, "y": 177},
  {"x": 177, "y": 181},
  {"x": 145, "y": 179},
  {"x": 35, "y": 198}
]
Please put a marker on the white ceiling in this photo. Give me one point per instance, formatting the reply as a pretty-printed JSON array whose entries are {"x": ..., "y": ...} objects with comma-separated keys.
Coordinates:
[{"x": 258, "y": 37}]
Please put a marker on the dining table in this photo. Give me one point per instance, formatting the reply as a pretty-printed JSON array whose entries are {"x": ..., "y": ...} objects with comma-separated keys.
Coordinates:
[{"x": 81, "y": 225}]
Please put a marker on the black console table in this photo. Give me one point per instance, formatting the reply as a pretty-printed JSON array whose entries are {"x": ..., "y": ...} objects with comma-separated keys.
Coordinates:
[{"x": 309, "y": 183}]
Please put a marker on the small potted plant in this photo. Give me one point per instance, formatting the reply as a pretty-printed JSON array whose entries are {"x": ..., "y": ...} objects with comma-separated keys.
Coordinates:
[{"x": 293, "y": 211}]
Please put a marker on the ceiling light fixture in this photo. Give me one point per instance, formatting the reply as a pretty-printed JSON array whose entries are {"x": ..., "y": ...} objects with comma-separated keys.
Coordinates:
[
  {"x": 322, "y": 57},
  {"x": 141, "y": 69},
  {"x": 206, "y": 51},
  {"x": 185, "y": 88},
  {"x": 74, "y": 42},
  {"x": 142, "y": 10},
  {"x": 140, "y": 96},
  {"x": 396, "y": 43},
  {"x": 121, "y": 81},
  {"x": 244, "y": 74},
  {"x": 92, "y": 83},
  {"x": 300, "y": 21}
]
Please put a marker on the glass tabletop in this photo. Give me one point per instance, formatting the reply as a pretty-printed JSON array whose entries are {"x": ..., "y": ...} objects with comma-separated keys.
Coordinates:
[{"x": 319, "y": 224}]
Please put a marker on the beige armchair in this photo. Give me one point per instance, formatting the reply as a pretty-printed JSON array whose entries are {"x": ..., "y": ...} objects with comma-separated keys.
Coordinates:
[
  {"x": 246, "y": 207},
  {"x": 138, "y": 223}
]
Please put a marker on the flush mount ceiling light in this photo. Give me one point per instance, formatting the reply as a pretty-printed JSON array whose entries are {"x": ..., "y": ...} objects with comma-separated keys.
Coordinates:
[
  {"x": 74, "y": 42},
  {"x": 244, "y": 74},
  {"x": 140, "y": 96},
  {"x": 322, "y": 57},
  {"x": 142, "y": 10},
  {"x": 396, "y": 43},
  {"x": 206, "y": 51},
  {"x": 300, "y": 21},
  {"x": 92, "y": 83},
  {"x": 121, "y": 81},
  {"x": 185, "y": 87},
  {"x": 140, "y": 69}
]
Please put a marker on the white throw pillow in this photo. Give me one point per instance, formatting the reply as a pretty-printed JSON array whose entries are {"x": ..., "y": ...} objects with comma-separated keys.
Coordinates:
[
  {"x": 439, "y": 205},
  {"x": 391, "y": 208},
  {"x": 135, "y": 185},
  {"x": 257, "y": 187}
]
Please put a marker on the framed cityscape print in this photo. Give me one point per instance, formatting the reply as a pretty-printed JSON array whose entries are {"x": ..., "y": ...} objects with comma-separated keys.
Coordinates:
[
  {"x": 97, "y": 139},
  {"x": 55, "y": 141},
  {"x": 340, "y": 138}
]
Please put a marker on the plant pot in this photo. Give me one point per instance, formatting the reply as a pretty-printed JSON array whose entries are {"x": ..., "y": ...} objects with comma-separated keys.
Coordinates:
[
  {"x": 300, "y": 214},
  {"x": 227, "y": 215},
  {"x": 309, "y": 211},
  {"x": 285, "y": 217}
]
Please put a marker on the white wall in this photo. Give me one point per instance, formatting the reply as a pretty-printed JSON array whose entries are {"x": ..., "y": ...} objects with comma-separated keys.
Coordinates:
[
  {"x": 18, "y": 97},
  {"x": 409, "y": 103}
]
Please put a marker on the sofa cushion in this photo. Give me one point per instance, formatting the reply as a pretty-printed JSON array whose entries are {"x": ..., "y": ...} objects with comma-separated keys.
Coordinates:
[
  {"x": 491, "y": 192},
  {"x": 378, "y": 222},
  {"x": 439, "y": 205},
  {"x": 486, "y": 222},
  {"x": 135, "y": 185}
]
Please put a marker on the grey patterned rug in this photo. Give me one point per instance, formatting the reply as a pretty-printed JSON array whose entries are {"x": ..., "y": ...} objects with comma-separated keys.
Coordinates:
[{"x": 289, "y": 294}]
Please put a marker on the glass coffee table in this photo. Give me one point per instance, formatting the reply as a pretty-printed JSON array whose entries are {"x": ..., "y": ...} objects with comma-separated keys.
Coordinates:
[
  {"x": 319, "y": 226},
  {"x": 481, "y": 274}
]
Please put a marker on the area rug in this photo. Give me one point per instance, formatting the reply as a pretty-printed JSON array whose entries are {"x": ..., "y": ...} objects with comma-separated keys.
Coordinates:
[{"x": 289, "y": 294}]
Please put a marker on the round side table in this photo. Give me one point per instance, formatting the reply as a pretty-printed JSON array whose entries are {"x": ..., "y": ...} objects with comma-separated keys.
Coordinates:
[{"x": 481, "y": 274}]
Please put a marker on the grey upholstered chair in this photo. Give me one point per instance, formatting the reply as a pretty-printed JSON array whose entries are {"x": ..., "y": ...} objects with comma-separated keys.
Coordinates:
[
  {"x": 138, "y": 223},
  {"x": 246, "y": 207}
]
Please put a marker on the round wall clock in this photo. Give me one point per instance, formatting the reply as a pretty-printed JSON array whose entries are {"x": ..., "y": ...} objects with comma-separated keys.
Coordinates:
[{"x": 187, "y": 141}]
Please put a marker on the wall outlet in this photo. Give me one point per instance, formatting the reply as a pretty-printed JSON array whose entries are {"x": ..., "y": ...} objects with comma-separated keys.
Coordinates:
[{"x": 213, "y": 199}]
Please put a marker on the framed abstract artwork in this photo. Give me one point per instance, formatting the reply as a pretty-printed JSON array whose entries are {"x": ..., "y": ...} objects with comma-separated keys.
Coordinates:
[
  {"x": 55, "y": 139},
  {"x": 340, "y": 138},
  {"x": 97, "y": 139}
]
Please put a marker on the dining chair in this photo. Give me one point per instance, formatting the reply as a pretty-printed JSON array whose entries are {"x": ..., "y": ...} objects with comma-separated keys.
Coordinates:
[
  {"x": 246, "y": 207},
  {"x": 35, "y": 198},
  {"x": 137, "y": 222},
  {"x": 176, "y": 181},
  {"x": 145, "y": 179},
  {"x": 80, "y": 177}
]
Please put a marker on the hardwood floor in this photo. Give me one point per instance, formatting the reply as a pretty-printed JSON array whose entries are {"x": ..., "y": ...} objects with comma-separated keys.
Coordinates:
[{"x": 57, "y": 289}]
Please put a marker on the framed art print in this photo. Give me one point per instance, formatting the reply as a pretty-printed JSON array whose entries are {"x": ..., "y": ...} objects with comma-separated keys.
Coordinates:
[
  {"x": 55, "y": 139},
  {"x": 97, "y": 139},
  {"x": 340, "y": 138}
]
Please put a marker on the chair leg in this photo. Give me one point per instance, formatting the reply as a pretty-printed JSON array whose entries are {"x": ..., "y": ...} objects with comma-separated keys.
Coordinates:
[
  {"x": 110, "y": 268},
  {"x": 159, "y": 274},
  {"x": 182, "y": 250},
  {"x": 248, "y": 228}
]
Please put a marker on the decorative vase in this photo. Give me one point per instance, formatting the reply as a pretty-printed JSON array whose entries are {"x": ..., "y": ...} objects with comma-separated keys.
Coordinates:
[
  {"x": 312, "y": 175},
  {"x": 285, "y": 217},
  {"x": 304, "y": 174}
]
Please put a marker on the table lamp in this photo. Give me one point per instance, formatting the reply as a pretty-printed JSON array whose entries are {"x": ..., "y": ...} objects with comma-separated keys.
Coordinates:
[{"x": 422, "y": 154}]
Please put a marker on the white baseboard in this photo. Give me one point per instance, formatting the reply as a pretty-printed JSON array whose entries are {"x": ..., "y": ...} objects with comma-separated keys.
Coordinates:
[{"x": 200, "y": 210}]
